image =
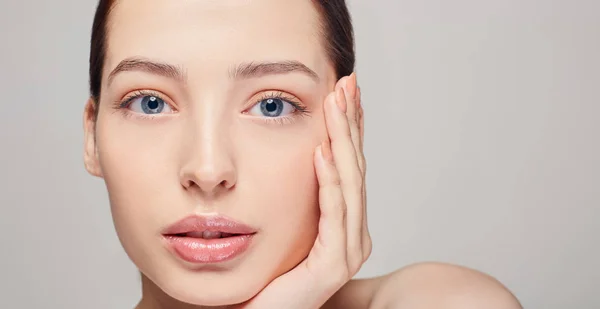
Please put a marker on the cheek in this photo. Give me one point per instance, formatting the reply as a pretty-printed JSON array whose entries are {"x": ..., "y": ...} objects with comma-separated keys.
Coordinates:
[
  {"x": 277, "y": 174},
  {"x": 283, "y": 179},
  {"x": 278, "y": 166},
  {"x": 140, "y": 176}
]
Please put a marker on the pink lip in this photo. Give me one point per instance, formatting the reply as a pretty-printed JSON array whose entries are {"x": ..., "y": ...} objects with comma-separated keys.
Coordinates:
[{"x": 199, "y": 250}]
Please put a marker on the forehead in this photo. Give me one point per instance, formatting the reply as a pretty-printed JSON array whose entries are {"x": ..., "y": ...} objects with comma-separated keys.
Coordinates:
[{"x": 205, "y": 34}]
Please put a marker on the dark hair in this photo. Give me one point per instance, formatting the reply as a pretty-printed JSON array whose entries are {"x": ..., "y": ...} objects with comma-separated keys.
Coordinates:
[{"x": 337, "y": 37}]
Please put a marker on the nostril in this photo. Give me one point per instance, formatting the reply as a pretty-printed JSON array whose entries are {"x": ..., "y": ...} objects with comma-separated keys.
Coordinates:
[
  {"x": 188, "y": 183},
  {"x": 208, "y": 176},
  {"x": 226, "y": 184},
  {"x": 207, "y": 186}
]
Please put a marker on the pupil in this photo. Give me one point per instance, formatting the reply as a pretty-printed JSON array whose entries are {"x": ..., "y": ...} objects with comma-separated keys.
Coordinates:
[
  {"x": 271, "y": 106},
  {"x": 153, "y": 103}
]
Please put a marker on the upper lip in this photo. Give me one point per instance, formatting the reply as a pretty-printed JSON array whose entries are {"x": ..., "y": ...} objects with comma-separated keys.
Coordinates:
[{"x": 217, "y": 223}]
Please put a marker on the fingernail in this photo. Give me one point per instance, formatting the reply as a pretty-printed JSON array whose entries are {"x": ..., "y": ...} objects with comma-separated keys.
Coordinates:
[
  {"x": 326, "y": 151},
  {"x": 351, "y": 85},
  {"x": 340, "y": 99}
]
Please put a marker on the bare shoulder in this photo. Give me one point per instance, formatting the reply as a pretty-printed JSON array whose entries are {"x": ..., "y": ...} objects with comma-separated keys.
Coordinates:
[{"x": 425, "y": 286}]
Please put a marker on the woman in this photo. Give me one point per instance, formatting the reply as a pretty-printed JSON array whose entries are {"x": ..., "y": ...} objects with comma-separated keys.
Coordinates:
[{"x": 229, "y": 134}]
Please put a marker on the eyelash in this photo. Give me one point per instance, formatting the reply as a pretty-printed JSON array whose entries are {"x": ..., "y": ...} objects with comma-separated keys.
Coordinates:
[
  {"x": 300, "y": 109},
  {"x": 122, "y": 105}
]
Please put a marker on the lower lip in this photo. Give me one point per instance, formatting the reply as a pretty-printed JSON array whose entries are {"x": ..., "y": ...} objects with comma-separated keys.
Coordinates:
[{"x": 204, "y": 251}]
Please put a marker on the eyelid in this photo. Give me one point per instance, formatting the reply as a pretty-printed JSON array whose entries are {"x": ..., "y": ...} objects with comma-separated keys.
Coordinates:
[
  {"x": 136, "y": 94},
  {"x": 275, "y": 94}
]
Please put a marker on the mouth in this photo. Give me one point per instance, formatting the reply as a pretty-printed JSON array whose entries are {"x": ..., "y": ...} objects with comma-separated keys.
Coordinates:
[
  {"x": 207, "y": 240},
  {"x": 206, "y": 235}
]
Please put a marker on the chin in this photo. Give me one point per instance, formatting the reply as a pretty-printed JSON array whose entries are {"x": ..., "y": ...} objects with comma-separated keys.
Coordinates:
[
  {"x": 210, "y": 297},
  {"x": 207, "y": 288}
]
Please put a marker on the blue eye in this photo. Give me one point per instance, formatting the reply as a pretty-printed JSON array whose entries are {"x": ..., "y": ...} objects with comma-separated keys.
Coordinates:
[
  {"x": 272, "y": 107},
  {"x": 150, "y": 105}
]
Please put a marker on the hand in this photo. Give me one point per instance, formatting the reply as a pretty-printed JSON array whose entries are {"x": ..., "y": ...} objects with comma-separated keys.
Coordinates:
[{"x": 343, "y": 243}]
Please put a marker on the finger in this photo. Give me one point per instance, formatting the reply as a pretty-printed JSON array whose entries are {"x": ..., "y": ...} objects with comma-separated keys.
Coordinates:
[
  {"x": 353, "y": 113},
  {"x": 366, "y": 235},
  {"x": 332, "y": 224},
  {"x": 346, "y": 162},
  {"x": 340, "y": 133},
  {"x": 353, "y": 98},
  {"x": 350, "y": 93},
  {"x": 361, "y": 122},
  {"x": 367, "y": 244}
]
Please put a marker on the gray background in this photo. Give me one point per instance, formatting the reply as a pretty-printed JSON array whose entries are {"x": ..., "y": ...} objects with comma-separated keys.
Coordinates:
[{"x": 482, "y": 145}]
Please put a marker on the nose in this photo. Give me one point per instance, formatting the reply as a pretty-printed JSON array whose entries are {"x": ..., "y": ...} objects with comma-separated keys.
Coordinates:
[{"x": 208, "y": 167}]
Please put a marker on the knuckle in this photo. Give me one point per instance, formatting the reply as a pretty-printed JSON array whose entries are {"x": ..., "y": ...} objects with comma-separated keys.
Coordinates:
[
  {"x": 352, "y": 121},
  {"x": 343, "y": 210},
  {"x": 337, "y": 206},
  {"x": 357, "y": 185},
  {"x": 333, "y": 182},
  {"x": 336, "y": 180},
  {"x": 347, "y": 130}
]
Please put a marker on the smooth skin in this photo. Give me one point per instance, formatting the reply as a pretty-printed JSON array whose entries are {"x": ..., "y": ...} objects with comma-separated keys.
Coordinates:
[{"x": 299, "y": 181}]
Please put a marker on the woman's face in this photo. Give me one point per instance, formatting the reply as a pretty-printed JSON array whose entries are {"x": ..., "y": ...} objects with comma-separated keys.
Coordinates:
[{"x": 212, "y": 108}]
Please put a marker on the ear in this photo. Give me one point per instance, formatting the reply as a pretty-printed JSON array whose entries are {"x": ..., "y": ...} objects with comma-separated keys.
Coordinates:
[{"x": 90, "y": 155}]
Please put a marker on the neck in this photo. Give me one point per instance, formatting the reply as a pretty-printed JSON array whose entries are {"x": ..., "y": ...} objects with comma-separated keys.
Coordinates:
[{"x": 154, "y": 298}]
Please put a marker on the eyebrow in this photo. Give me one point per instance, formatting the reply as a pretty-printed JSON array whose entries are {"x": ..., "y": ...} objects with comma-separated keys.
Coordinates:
[
  {"x": 241, "y": 71},
  {"x": 254, "y": 69},
  {"x": 148, "y": 66}
]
